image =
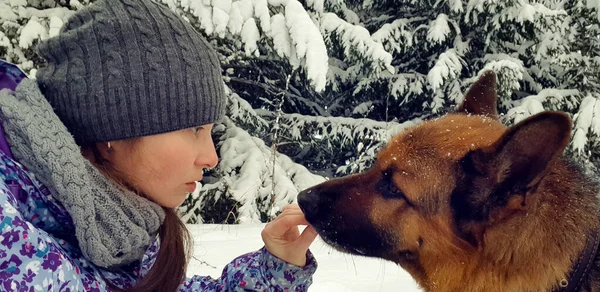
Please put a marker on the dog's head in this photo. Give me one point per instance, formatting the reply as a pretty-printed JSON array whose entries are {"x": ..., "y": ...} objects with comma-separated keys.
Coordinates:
[{"x": 435, "y": 188}]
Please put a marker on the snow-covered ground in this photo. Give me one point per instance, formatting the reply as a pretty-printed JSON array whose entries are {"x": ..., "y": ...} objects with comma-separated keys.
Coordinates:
[{"x": 217, "y": 245}]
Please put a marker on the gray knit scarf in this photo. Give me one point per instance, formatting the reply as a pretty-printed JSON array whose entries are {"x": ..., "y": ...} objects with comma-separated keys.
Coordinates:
[{"x": 113, "y": 228}]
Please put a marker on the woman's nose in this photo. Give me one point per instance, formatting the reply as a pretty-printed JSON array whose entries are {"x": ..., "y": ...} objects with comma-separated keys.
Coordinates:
[{"x": 207, "y": 156}]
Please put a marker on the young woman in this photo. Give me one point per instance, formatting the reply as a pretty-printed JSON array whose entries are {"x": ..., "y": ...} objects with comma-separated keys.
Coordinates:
[{"x": 108, "y": 139}]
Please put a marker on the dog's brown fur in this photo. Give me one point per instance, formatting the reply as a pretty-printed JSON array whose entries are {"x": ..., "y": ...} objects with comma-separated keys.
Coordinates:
[{"x": 464, "y": 203}]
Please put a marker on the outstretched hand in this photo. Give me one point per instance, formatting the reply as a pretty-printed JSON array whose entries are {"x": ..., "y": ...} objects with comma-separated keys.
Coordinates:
[{"x": 283, "y": 239}]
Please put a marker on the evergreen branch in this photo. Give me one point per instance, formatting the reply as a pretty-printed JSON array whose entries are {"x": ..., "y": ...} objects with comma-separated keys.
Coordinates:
[{"x": 272, "y": 90}]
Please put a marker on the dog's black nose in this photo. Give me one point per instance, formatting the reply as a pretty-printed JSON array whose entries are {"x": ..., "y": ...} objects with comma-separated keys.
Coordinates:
[{"x": 308, "y": 200}]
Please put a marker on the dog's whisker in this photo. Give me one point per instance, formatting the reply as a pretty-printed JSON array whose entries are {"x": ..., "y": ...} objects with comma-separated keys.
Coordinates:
[{"x": 354, "y": 263}]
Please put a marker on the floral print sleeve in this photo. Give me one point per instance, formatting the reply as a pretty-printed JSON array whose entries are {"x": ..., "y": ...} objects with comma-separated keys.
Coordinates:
[
  {"x": 257, "y": 271},
  {"x": 30, "y": 259}
]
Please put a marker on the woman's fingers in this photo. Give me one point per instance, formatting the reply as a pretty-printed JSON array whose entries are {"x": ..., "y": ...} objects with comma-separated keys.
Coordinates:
[
  {"x": 306, "y": 238},
  {"x": 283, "y": 239},
  {"x": 280, "y": 226},
  {"x": 291, "y": 207},
  {"x": 288, "y": 210}
]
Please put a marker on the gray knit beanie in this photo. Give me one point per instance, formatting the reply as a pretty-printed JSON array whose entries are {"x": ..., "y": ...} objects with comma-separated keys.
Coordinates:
[{"x": 121, "y": 69}]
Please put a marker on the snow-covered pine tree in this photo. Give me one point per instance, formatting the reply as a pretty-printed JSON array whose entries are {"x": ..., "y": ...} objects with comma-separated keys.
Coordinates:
[
  {"x": 329, "y": 81},
  {"x": 581, "y": 72}
]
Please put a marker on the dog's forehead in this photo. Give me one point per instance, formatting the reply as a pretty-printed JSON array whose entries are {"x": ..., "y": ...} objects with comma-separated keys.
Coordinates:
[
  {"x": 449, "y": 137},
  {"x": 425, "y": 154}
]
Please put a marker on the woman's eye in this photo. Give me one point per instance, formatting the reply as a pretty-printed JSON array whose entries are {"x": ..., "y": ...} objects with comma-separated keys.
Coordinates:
[{"x": 196, "y": 130}]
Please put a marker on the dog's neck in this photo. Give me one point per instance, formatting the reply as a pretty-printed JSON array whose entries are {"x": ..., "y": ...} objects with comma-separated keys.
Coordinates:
[{"x": 580, "y": 272}]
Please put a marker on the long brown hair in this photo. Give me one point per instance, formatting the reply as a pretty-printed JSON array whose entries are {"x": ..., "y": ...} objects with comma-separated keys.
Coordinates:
[{"x": 168, "y": 271}]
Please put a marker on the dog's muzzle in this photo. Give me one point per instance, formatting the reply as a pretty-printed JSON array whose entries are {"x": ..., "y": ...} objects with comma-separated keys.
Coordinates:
[{"x": 308, "y": 200}]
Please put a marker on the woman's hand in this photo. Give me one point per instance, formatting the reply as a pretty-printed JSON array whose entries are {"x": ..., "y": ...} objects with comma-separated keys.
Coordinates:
[{"x": 283, "y": 239}]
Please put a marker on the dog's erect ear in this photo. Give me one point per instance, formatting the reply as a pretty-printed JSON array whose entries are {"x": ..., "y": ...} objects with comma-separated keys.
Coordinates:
[
  {"x": 498, "y": 177},
  {"x": 521, "y": 157},
  {"x": 481, "y": 98}
]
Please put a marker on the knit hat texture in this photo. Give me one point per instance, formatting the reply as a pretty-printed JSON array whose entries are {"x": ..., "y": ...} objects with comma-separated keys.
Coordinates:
[{"x": 121, "y": 69}]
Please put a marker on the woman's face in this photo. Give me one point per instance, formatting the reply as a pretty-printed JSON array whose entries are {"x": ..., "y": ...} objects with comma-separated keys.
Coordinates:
[{"x": 166, "y": 166}]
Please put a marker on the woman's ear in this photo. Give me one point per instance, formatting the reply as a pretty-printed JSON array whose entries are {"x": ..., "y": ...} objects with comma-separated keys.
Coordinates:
[{"x": 102, "y": 151}]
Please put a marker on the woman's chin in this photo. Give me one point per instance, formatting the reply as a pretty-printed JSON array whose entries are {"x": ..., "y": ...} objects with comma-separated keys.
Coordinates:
[{"x": 172, "y": 201}]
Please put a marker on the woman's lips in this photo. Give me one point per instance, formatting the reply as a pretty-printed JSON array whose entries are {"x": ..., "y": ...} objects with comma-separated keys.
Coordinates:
[{"x": 191, "y": 186}]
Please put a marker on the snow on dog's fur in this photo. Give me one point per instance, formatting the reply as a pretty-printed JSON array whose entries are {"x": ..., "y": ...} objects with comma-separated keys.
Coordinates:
[{"x": 464, "y": 203}]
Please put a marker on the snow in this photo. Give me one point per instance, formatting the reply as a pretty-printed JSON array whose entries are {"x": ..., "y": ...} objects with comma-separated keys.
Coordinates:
[
  {"x": 216, "y": 245},
  {"x": 246, "y": 8},
  {"x": 337, "y": 127},
  {"x": 205, "y": 17},
  {"x": 203, "y": 13},
  {"x": 461, "y": 47},
  {"x": 4, "y": 41},
  {"x": 261, "y": 12},
  {"x": 456, "y": 5},
  {"x": 236, "y": 19},
  {"x": 6, "y": 13},
  {"x": 33, "y": 30},
  {"x": 76, "y": 4},
  {"x": 55, "y": 25},
  {"x": 357, "y": 40},
  {"x": 594, "y": 4},
  {"x": 448, "y": 66},
  {"x": 281, "y": 37},
  {"x": 279, "y": 2},
  {"x": 363, "y": 108},
  {"x": 224, "y": 5},
  {"x": 438, "y": 29},
  {"x": 528, "y": 107},
  {"x": 241, "y": 110},
  {"x": 317, "y": 5},
  {"x": 350, "y": 16},
  {"x": 29, "y": 12},
  {"x": 15, "y": 3},
  {"x": 407, "y": 84},
  {"x": 526, "y": 13},
  {"x": 586, "y": 120},
  {"x": 337, "y": 75},
  {"x": 250, "y": 37},
  {"x": 220, "y": 20},
  {"x": 397, "y": 35},
  {"x": 308, "y": 42}
]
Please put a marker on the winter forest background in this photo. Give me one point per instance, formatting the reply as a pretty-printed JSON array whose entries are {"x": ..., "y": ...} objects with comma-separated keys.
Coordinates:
[{"x": 316, "y": 87}]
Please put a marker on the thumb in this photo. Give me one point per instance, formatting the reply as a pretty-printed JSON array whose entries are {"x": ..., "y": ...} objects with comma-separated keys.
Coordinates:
[{"x": 306, "y": 238}]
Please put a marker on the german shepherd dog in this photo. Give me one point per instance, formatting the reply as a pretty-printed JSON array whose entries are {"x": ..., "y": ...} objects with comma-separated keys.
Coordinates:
[{"x": 464, "y": 203}]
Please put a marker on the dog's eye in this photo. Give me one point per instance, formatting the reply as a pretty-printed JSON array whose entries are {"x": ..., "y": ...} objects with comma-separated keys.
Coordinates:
[
  {"x": 389, "y": 188},
  {"x": 394, "y": 189}
]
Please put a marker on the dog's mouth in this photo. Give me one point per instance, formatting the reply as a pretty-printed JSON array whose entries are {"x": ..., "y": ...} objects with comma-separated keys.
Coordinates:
[
  {"x": 356, "y": 243},
  {"x": 342, "y": 247}
]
